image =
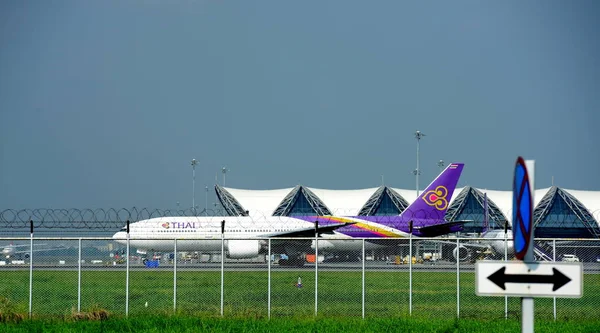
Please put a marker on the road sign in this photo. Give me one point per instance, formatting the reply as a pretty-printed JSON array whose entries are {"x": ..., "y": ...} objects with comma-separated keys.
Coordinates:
[
  {"x": 538, "y": 279},
  {"x": 522, "y": 212}
]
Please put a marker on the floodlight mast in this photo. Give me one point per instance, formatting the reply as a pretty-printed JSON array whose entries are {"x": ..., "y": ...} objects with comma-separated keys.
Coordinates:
[
  {"x": 440, "y": 164},
  {"x": 206, "y": 199},
  {"x": 224, "y": 171},
  {"x": 194, "y": 163},
  {"x": 418, "y": 136}
]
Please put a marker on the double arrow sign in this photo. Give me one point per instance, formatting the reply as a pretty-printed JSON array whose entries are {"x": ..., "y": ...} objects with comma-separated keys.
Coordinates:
[
  {"x": 557, "y": 279},
  {"x": 539, "y": 279}
]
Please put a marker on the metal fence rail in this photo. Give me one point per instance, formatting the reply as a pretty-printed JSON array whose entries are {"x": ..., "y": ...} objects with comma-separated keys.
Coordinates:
[{"x": 408, "y": 277}]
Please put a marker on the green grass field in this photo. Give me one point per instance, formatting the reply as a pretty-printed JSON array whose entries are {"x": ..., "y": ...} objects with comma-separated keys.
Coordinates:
[
  {"x": 246, "y": 295},
  {"x": 321, "y": 325}
]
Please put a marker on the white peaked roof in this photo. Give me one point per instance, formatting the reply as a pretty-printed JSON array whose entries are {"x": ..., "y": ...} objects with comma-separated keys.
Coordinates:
[
  {"x": 590, "y": 199},
  {"x": 339, "y": 202},
  {"x": 259, "y": 201},
  {"x": 344, "y": 202},
  {"x": 350, "y": 202}
]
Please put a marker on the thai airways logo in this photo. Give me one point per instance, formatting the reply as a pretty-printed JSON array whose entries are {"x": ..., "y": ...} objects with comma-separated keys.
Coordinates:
[
  {"x": 165, "y": 225},
  {"x": 437, "y": 198}
]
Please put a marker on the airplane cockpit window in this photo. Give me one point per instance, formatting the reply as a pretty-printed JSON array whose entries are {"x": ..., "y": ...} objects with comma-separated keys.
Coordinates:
[{"x": 124, "y": 228}]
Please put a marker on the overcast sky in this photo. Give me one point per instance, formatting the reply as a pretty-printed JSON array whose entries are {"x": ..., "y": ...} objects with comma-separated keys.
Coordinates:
[{"x": 103, "y": 104}]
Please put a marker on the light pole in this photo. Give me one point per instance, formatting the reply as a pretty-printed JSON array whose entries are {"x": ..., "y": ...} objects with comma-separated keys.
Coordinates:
[
  {"x": 418, "y": 136},
  {"x": 194, "y": 163},
  {"x": 441, "y": 164},
  {"x": 206, "y": 200},
  {"x": 224, "y": 171}
]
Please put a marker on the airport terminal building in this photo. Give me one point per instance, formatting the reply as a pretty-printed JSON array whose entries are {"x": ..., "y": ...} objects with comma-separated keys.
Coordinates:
[{"x": 558, "y": 213}]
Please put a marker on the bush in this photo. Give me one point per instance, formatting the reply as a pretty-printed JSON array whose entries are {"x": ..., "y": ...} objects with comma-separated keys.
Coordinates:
[
  {"x": 95, "y": 312},
  {"x": 9, "y": 312}
]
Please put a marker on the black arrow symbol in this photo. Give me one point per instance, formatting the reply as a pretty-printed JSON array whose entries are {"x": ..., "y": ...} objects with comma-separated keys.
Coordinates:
[{"x": 557, "y": 278}]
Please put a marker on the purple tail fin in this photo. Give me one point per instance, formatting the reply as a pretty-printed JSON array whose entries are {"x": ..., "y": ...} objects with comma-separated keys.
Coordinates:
[{"x": 433, "y": 202}]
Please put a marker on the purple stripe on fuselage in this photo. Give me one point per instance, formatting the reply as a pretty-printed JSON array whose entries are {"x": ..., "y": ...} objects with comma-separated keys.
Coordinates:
[{"x": 363, "y": 225}]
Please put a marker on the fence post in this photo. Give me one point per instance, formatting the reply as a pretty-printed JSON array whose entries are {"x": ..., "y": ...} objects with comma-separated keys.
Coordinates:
[
  {"x": 222, "y": 265},
  {"x": 316, "y": 267},
  {"x": 79, "y": 277},
  {"x": 269, "y": 281},
  {"x": 410, "y": 230},
  {"x": 175, "y": 275},
  {"x": 457, "y": 278},
  {"x": 30, "y": 266},
  {"x": 363, "y": 278},
  {"x": 505, "y": 259},
  {"x": 127, "y": 276},
  {"x": 554, "y": 259}
]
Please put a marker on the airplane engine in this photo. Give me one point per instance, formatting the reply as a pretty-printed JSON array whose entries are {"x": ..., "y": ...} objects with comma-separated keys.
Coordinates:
[
  {"x": 462, "y": 253},
  {"x": 242, "y": 249}
]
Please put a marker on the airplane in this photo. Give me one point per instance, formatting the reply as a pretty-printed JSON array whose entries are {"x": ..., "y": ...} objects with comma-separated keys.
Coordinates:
[
  {"x": 246, "y": 237},
  {"x": 11, "y": 249}
]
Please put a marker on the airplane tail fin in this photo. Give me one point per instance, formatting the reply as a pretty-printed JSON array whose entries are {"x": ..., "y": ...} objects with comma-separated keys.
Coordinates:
[{"x": 433, "y": 202}]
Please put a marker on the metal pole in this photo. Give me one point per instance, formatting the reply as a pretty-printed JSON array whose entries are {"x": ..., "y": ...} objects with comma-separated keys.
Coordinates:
[
  {"x": 527, "y": 303},
  {"x": 269, "y": 281},
  {"x": 127, "y": 275},
  {"x": 410, "y": 268},
  {"x": 206, "y": 201},
  {"x": 30, "y": 266},
  {"x": 417, "y": 173},
  {"x": 222, "y": 265},
  {"x": 554, "y": 259},
  {"x": 175, "y": 275},
  {"x": 418, "y": 135},
  {"x": 316, "y": 268},
  {"x": 458, "y": 278},
  {"x": 527, "y": 313},
  {"x": 194, "y": 162},
  {"x": 79, "y": 277},
  {"x": 505, "y": 259},
  {"x": 363, "y": 278}
]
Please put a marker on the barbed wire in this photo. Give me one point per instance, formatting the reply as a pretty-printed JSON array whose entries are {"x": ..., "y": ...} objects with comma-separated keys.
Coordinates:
[
  {"x": 109, "y": 219},
  {"x": 89, "y": 218}
]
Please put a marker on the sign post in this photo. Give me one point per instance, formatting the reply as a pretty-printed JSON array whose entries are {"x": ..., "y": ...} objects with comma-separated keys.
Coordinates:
[{"x": 526, "y": 278}]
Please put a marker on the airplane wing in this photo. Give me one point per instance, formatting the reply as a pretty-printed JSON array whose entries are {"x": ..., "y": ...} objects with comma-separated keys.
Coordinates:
[
  {"x": 439, "y": 229},
  {"x": 309, "y": 232},
  {"x": 20, "y": 245},
  {"x": 42, "y": 250}
]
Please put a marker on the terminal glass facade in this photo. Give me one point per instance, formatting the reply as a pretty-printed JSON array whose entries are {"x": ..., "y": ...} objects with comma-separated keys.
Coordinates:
[{"x": 561, "y": 215}]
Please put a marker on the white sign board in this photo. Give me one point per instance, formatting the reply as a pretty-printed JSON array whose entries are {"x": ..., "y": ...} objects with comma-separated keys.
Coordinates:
[{"x": 539, "y": 279}]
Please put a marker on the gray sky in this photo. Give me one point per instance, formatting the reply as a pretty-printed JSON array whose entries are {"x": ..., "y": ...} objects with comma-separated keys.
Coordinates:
[{"x": 104, "y": 103}]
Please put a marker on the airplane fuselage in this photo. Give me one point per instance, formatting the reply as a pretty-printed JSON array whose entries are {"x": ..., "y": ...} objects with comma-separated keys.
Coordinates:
[
  {"x": 497, "y": 241},
  {"x": 204, "y": 233}
]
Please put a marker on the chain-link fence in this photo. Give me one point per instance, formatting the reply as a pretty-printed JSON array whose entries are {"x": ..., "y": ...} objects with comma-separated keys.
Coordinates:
[{"x": 433, "y": 277}]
